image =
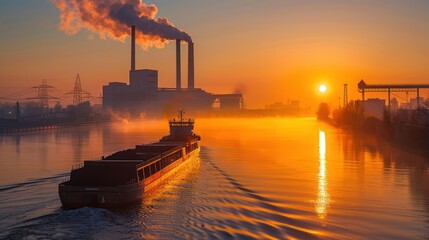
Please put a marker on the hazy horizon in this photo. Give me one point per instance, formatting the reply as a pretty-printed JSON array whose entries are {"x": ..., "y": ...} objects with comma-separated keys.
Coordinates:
[{"x": 272, "y": 50}]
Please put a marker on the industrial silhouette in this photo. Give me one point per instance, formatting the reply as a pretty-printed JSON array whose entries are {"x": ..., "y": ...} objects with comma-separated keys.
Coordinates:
[
  {"x": 77, "y": 93},
  {"x": 143, "y": 93},
  {"x": 43, "y": 95}
]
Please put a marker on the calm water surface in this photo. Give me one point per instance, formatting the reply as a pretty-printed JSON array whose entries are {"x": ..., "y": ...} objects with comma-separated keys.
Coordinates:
[{"x": 254, "y": 178}]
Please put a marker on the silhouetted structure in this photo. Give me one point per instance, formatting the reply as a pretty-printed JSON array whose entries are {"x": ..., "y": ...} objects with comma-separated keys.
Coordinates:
[
  {"x": 389, "y": 88},
  {"x": 143, "y": 93},
  {"x": 43, "y": 95},
  {"x": 78, "y": 93}
]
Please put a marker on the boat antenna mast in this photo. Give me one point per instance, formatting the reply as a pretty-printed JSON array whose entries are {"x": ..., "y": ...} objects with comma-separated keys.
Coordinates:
[{"x": 181, "y": 113}]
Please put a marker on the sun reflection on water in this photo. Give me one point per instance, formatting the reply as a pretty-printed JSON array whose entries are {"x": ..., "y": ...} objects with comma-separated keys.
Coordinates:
[{"x": 323, "y": 199}]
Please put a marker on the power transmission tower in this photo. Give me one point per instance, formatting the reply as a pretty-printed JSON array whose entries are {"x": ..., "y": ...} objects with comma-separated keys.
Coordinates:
[
  {"x": 77, "y": 96},
  {"x": 345, "y": 97},
  {"x": 78, "y": 93},
  {"x": 43, "y": 94}
]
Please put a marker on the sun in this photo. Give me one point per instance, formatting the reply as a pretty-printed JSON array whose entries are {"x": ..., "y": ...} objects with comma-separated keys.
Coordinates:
[{"x": 322, "y": 88}]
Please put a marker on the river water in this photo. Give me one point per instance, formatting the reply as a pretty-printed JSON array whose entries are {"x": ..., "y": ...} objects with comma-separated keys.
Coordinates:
[{"x": 274, "y": 178}]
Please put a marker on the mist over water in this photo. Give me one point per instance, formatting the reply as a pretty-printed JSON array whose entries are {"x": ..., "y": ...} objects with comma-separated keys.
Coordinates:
[{"x": 254, "y": 178}]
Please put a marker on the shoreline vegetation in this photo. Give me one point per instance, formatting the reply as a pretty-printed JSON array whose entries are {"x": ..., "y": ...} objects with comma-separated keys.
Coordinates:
[{"x": 404, "y": 128}]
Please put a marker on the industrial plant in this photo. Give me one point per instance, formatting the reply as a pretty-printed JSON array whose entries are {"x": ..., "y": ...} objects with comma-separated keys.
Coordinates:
[{"x": 142, "y": 93}]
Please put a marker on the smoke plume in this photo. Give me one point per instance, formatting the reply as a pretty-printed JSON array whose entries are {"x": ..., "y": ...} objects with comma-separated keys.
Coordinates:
[
  {"x": 113, "y": 18},
  {"x": 239, "y": 88}
]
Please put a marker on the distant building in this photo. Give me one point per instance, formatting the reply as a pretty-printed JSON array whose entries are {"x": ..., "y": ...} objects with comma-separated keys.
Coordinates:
[
  {"x": 416, "y": 103},
  {"x": 413, "y": 103},
  {"x": 394, "y": 105},
  {"x": 374, "y": 107},
  {"x": 143, "y": 94},
  {"x": 294, "y": 104}
]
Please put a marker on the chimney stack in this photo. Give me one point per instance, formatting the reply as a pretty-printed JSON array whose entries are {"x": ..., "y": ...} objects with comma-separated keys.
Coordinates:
[
  {"x": 178, "y": 66},
  {"x": 191, "y": 65},
  {"x": 133, "y": 48}
]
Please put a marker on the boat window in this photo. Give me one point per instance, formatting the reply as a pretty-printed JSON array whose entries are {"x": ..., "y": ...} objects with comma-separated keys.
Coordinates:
[
  {"x": 152, "y": 168},
  {"x": 146, "y": 172},
  {"x": 193, "y": 146},
  {"x": 140, "y": 173}
]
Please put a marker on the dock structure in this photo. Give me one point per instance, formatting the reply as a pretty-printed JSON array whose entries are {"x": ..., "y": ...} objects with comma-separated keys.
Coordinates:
[
  {"x": 390, "y": 88},
  {"x": 19, "y": 128}
]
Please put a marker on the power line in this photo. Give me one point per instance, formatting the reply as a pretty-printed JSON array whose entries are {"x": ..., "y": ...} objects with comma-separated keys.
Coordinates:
[
  {"x": 17, "y": 95},
  {"x": 396, "y": 95},
  {"x": 45, "y": 93}
]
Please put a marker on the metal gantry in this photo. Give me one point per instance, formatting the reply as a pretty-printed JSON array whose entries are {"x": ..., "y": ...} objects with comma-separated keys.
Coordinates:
[{"x": 390, "y": 88}]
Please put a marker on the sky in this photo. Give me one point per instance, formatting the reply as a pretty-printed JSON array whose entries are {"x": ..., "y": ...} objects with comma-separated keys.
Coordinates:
[{"x": 271, "y": 50}]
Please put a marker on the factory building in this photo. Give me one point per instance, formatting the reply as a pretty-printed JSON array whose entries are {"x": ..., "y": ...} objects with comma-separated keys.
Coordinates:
[{"x": 143, "y": 93}]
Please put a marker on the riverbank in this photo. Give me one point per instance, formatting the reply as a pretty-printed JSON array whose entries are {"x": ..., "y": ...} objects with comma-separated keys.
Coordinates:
[
  {"x": 40, "y": 126},
  {"x": 411, "y": 133}
]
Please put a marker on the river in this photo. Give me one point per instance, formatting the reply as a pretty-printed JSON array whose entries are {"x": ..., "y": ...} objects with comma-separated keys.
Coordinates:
[{"x": 269, "y": 178}]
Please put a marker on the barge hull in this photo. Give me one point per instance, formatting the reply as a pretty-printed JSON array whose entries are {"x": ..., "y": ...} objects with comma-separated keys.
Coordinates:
[{"x": 107, "y": 197}]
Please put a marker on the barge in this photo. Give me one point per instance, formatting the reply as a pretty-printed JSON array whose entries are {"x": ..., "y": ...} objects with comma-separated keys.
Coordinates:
[{"x": 125, "y": 176}]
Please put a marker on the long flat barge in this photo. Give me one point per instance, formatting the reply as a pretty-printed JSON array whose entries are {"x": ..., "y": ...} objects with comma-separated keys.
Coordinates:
[{"x": 125, "y": 176}]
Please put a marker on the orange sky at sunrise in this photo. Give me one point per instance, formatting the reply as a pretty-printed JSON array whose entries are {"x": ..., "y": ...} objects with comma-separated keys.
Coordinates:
[{"x": 271, "y": 50}]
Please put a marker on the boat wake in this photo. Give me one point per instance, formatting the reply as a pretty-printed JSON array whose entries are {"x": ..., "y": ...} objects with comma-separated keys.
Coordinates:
[
  {"x": 33, "y": 182},
  {"x": 208, "y": 203},
  {"x": 82, "y": 223}
]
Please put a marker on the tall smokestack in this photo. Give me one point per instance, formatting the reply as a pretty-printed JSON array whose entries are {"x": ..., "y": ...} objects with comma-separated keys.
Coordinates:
[
  {"x": 191, "y": 65},
  {"x": 133, "y": 48},
  {"x": 178, "y": 67}
]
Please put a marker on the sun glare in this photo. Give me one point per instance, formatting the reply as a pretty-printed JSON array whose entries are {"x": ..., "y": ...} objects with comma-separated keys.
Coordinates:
[{"x": 322, "y": 88}]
